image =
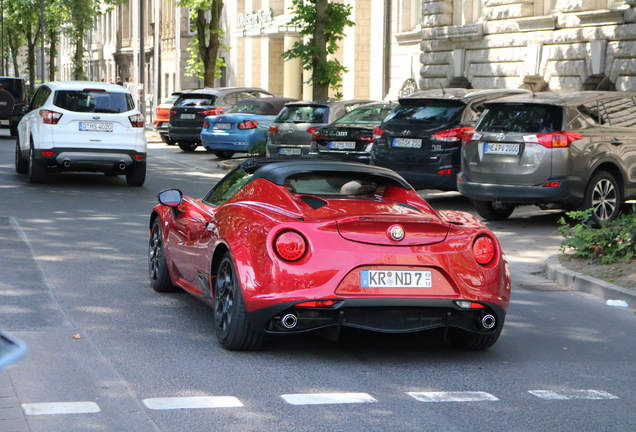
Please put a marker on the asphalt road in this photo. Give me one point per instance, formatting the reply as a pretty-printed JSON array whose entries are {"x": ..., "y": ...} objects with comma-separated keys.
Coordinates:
[{"x": 74, "y": 286}]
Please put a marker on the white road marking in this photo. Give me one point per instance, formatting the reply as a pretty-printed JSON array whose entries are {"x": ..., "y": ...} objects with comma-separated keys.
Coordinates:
[
  {"x": 327, "y": 398},
  {"x": 572, "y": 394},
  {"x": 34, "y": 409},
  {"x": 169, "y": 403},
  {"x": 466, "y": 396}
]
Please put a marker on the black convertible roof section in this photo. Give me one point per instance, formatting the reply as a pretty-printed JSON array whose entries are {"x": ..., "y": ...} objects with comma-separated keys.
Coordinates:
[{"x": 277, "y": 170}]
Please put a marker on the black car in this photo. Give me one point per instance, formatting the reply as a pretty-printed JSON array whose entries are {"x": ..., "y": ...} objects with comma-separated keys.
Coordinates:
[
  {"x": 350, "y": 137},
  {"x": 557, "y": 150},
  {"x": 422, "y": 138},
  {"x": 191, "y": 108},
  {"x": 13, "y": 100}
]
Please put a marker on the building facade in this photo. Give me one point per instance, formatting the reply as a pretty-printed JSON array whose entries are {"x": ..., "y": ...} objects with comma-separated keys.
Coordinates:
[{"x": 538, "y": 44}]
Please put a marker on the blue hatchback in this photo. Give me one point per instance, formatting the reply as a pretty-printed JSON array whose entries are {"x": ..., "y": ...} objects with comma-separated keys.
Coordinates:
[{"x": 242, "y": 126}]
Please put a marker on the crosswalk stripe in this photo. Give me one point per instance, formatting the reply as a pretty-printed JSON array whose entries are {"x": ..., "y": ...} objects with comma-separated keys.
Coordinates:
[
  {"x": 169, "y": 403},
  {"x": 465, "y": 396},
  {"x": 327, "y": 398},
  {"x": 572, "y": 394},
  {"x": 47, "y": 408}
]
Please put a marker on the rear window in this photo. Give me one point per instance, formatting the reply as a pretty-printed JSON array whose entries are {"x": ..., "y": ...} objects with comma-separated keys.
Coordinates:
[
  {"x": 427, "y": 112},
  {"x": 366, "y": 114},
  {"x": 195, "y": 100},
  {"x": 521, "y": 118},
  {"x": 93, "y": 101},
  {"x": 15, "y": 86},
  {"x": 335, "y": 184},
  {"x": 303, "y": 114}
]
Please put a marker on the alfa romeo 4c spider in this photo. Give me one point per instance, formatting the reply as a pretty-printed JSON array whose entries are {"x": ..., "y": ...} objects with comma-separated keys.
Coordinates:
[{"x": 286, "y": 247}]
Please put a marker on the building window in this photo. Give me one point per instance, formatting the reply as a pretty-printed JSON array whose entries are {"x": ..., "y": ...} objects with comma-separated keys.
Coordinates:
[
  {"x": 410, "y": 15},
  {"x": 415, "y": 14},
  {"x": 467, "y": 11},
  {"x": 550, "y": 6}
]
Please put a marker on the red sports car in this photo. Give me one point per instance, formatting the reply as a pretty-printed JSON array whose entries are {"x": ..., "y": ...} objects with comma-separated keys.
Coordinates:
[{"x": 282, "y": 247}]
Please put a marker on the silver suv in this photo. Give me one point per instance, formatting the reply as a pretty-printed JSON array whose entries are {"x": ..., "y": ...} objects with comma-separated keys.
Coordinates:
[{"x": 573, "y": 150}]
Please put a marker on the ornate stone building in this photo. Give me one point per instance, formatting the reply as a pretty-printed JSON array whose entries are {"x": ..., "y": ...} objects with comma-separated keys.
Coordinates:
[{"x": 544, "y": 44}]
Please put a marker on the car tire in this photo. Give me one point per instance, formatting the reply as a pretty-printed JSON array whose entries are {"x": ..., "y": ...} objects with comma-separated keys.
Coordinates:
[
  {"x": 21, "y": 164},
  {"x": 167, "y": 139},
  {"x": 466, "y": 340},
  {"x": 136, "y": 175},
  {"x": 13, "y": 130},
  {"x": 233, "y": 328},
  {"x": 187, "y": 146},
  {"x": 492, "y": 210},
  {"x": 37, "y": 172},
  {"x": 603, "y": 195},
  {"x": 7, "y": 102},
  {"x": 157, "y": 265},
  {"x": 223, "y": 154}
]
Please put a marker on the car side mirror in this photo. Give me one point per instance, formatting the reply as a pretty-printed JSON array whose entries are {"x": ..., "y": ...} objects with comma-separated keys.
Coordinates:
[
  {"x": 170, "y": 197},
  {"x": 21, "y": 108}
]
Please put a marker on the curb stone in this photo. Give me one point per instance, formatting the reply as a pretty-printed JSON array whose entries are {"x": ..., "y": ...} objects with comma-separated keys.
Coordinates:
[{"x": 580, "y": 282}]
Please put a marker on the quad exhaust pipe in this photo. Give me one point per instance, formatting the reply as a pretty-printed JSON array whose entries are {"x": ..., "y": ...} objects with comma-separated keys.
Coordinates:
[{"x": 289, "y": 321}]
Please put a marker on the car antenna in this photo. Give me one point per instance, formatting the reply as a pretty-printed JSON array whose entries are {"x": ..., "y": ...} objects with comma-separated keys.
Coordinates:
[
  {"x": 442, "y": 87},
  {"x": 532, "y": 89}
]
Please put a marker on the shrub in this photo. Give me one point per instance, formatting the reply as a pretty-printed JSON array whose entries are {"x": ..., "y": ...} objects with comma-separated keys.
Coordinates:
[
  {"x": 609, "y": 242},
  {"x": 257, "y": 149}
]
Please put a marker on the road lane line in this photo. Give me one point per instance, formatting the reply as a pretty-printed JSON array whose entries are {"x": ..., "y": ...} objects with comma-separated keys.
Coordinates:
[
  {"x": 572, "y": 394},
  {"x": 327, "y": 398},
  {"x": 169, "y": 403},
  {"x": 49, "y": 408},
  {"x": 465, "y": 396}
]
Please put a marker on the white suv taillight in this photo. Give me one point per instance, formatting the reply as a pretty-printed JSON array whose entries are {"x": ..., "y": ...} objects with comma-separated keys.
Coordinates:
[
  {"x": 136, "y": 120},
  {"x": 50, "y": 117}
]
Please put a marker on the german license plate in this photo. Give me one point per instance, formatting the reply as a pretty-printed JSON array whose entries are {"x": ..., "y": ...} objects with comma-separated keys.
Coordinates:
[
  {"x": 223, "y": 125},
  {"x": 4, "y": 122},
  {"x": 289, "y": 151},
  {"x": 342, "y": 145},
  {"x": 407, "y": 142},
  {"x": 188, "y": 116},
  {"x": 506, "y": 149},
  {"x": 396, "y": 279},
  {"x": 95, "y": 127}
]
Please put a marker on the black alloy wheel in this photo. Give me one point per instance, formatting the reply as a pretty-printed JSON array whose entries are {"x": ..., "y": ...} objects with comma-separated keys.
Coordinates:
[
  {"x": 157, "y": 266},
  {"x": 603, "y": 195},
  {"x": 232, "y": 326}
]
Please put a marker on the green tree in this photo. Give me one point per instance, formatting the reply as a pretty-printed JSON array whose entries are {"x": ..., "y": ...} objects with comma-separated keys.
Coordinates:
[
  {"x": 322, "y": 25},
  {"x": 25, "y": 16},
  {"x": 204, "y": 47}
]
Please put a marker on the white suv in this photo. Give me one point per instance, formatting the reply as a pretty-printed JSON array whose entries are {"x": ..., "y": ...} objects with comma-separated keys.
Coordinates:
[{"x": 82, "y": 126}]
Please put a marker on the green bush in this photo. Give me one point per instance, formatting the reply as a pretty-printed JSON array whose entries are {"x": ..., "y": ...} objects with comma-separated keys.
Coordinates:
[
  {"x": 609, "y": 242},
  {"x": 257, "y": 149}
]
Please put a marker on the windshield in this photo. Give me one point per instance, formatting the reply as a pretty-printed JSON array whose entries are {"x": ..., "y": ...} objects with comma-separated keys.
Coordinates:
[
  {"x": 93, "y": 101},
  {"x": 303, "y": 114},
  {"x": 366, "y": 114},
  {"x": 522, "y": 118},
  {"x": 227, "y": 187},
  {"x": 434, "y": 112}
]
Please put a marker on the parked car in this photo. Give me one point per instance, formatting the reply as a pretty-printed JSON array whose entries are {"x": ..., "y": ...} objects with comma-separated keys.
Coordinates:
[
  {"x": 275, "y": 249},
  {"x": 351, "y": 136},
  {"x": 570, "y": 149},
  {"x": 13, "y": 100},
  {"x": 421, "y": 139},
  {"x": 290, "y": 134},
  {"x": 189, "y": 110},
  {"x": 243, "y": 125},
  {"x": 82, "y": 126},
  {"x": 162, "y": 117}
]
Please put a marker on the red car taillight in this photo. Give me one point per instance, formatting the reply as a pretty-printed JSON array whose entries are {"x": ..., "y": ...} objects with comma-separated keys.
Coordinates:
[
  {"x": 136, "y": 120},
  {"x": 172, "y": 113},
  {"x": 290, "y": 246},
  {"x": 553, "y": 139},
  {"x": 484, "y": 250},
  {"x": 212, "y": 111},
  {"x": 377, "y": 132},
  {"x": 317, "y": 303},
  {"x": 272, "y": 129},
  {"x": 452, "y": 135},
  {"x": 206, "y": 124},
  {"x": 247, "y": 124},
  {"x": 366, "y": 137},
  {"x": 317, "y": 136},
  {"x": 50, "y": 117},
  {"x": 313, "y": 129}
]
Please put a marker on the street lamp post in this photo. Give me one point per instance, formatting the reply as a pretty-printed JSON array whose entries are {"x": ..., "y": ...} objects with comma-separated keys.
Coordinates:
[{"x": 142, "y": 60}]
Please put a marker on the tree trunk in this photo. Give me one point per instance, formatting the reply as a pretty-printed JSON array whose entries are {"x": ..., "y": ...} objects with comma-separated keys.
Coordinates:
[
  {"x": 78, "y": 58},
  {"x": 53, "y": 41},
  {"x": 31, "y": 59},
  {"x": 320, "y": 89},
  {"x": 209, "y": 52},
  {"x": 14, "y": 55}
]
